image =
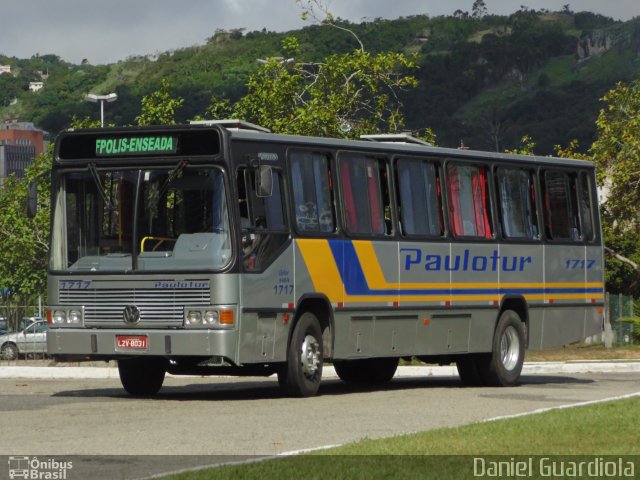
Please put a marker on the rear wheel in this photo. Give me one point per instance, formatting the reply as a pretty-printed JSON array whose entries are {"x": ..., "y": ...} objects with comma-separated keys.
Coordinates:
[
  {"x": 502, "y": 367},
  {"x": 142, "y": 376},
  {"x": 301, "y": 375},
  {"x": 367, "y": 370}
]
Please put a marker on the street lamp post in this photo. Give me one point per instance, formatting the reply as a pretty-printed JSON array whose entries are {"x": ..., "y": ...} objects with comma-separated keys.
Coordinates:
[{"x": 92, "y": 97}]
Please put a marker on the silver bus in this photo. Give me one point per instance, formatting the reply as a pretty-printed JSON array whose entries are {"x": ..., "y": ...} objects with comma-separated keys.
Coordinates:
[{"x": 221, "y": 248}]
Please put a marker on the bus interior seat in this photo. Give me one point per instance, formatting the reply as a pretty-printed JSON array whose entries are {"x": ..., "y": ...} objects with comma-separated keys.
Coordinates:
[{"x": 198, "y": 245}]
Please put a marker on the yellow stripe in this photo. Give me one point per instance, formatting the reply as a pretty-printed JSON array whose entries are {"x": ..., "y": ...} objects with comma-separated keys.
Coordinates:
[{"x": 322, "y": 268}]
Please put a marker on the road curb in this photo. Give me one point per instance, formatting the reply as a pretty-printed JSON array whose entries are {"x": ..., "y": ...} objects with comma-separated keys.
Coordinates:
[{"x": 537, "y": 368}]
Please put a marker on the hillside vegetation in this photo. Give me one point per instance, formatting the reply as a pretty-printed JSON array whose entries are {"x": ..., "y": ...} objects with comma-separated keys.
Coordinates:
[{"x": 484, "y": 81}]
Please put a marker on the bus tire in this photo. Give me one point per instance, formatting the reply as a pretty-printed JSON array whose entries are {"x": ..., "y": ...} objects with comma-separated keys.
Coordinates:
[
  {"x": 142, "y": 377},
  {"x": 467, "y": 366},
  {"x": 502, "y": 367},
  {"x": 301, "y": 375},
  {"x": 367, "y": 370}
]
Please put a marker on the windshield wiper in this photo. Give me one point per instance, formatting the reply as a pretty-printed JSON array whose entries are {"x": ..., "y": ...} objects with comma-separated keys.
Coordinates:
[{"x": 98, "y": 182}]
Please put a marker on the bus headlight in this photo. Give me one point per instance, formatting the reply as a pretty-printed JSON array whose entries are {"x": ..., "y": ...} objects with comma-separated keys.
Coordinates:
[
  {"x": 194, "y": 318},
  {"x": 58, "y": 317},
  {"x": 74, "y": 316},
  {"x": 214, "y": 317},
  {"x": 210, "y": 317},
  {"x": 65, "y": 316}
]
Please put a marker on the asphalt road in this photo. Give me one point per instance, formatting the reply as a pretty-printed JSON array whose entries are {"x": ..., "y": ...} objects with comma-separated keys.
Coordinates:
[{"x": 226, "y": 419}]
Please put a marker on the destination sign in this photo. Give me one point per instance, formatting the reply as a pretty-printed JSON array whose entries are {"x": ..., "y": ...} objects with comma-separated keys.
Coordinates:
[
  {"x": 128, "y": 143},
  {"x": 161, "y": 144}
]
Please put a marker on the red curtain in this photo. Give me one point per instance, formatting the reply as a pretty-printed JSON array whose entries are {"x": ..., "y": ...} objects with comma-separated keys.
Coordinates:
[
  {"x": 453, "y": 186},
  {"x": 349, "y": 204}
]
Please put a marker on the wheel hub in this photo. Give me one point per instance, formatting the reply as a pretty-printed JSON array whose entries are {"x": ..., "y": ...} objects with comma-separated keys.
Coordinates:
[
  {"x": 509, "y": 348},
  {"x": 310, "y": 357}
]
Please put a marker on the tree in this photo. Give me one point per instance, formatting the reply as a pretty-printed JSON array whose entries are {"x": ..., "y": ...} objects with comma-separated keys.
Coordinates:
[
  {"x": 159, "y": 107},
  {"x": 318, "y": 12},
  {"x": 527, "y": 145},
  {"x": 479, "y": 9},
  {"x": 616, "y": 152},
  {"x": 343, "y": 96},
  {"x": 24, "y": 242}
]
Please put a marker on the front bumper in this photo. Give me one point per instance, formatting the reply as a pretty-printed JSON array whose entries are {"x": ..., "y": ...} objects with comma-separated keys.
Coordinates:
[{"x": 101, "y": 343}]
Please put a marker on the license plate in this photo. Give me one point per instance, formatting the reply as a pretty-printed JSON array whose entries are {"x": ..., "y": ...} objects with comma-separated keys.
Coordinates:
[{"x": 138, "y": 342}]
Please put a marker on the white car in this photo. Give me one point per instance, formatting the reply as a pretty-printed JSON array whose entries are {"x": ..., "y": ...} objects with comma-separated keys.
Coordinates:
[{"x": 31, "y": 340}]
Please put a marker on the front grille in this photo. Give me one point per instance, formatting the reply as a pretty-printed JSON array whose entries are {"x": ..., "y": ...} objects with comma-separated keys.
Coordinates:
[{"x": 158, "y": 307}]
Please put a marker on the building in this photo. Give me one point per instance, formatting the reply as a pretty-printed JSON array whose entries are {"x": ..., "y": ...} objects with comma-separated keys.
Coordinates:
[
  {"x": 20, "y": 143},
  {"x": 36, "y": 86},
  {"x": 5, "y": 69},
  {"x": 14, "y": 159},
  {"x": 22, "y": 134}
]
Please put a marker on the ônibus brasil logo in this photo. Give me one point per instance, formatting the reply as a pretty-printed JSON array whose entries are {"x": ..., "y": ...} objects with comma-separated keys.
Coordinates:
[{"x": 34, "y": 468}]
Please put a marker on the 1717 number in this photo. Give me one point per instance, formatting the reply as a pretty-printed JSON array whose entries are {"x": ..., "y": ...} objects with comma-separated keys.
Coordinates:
[
  {"x": 74, "y": 284},
  {"x": 579, "y": 264},
  {"x": 283, "y": 289}
]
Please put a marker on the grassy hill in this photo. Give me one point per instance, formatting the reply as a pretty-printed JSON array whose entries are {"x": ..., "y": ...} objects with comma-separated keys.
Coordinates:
[{"x": 483, "y": 81}]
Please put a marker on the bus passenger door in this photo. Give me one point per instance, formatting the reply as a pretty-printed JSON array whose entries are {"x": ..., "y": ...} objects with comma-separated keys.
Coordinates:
[{"x": 266, "y": 278}]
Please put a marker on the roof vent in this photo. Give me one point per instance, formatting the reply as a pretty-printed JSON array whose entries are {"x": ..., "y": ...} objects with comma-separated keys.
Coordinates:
[
  {"x": 395, "y": 138},
  {"x": 232, "y": 124}
]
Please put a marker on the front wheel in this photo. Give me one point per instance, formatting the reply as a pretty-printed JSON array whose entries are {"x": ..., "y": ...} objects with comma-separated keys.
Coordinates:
[
  {"x": 502, "y": 367},
  {"x": 142, "y": 376},
  {"x": 301, "y": 375}
]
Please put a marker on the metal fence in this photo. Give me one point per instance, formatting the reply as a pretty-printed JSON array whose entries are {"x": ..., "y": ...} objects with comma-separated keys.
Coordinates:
[
  {"x": 12, "y": 317},
  {"x": 618, "y": 308}
]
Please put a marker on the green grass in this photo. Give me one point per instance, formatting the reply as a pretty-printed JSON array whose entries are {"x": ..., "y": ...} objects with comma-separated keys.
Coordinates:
[{"x": 591, "y": 431}]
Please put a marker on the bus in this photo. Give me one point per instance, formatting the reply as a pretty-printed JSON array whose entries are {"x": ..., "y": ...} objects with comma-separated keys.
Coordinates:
[{"x": 218, "y": 247}]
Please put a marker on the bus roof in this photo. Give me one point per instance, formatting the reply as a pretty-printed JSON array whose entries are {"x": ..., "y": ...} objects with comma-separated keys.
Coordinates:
[
  {"x": 394, "y": 144},
  {"x": 399, "y": 147}
]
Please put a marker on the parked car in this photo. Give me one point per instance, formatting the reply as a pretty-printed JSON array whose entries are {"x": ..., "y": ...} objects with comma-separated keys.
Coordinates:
[
  {"x": 30, "y": 340},
  {"x": 26, "y": 321}
]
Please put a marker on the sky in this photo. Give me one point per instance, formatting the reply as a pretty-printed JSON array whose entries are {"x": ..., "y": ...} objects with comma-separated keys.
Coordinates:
[{"x": 105, "y": 31}]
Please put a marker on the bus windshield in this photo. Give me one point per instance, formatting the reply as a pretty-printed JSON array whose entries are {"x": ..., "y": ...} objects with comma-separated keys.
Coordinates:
[{"x": 142, "y": 220}]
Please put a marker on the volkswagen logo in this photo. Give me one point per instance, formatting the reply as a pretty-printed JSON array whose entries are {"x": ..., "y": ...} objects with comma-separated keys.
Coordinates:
[{"x": 131, "y": 315}]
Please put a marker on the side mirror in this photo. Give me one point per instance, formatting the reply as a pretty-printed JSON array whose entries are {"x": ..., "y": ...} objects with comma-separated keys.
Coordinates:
[
  {"x": 264, "y": 181},
  {"x": 32, "y": 198}
]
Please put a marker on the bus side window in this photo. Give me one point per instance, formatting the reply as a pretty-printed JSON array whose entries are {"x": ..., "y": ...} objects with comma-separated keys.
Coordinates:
[
  {"x": 419, "y": 197},
  {"x": 262, "y": 221},
  {"x": 365, "y": 195},
  {"x": 560, "y": 206},
  {"x": 516, "y": 200},
  {"x": 312, "y": 192},
  {"x": 468, "y": 197}
]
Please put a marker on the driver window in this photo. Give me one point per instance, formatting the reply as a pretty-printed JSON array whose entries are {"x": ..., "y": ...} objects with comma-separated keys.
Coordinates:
[{"x": 262, "y": 220}]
